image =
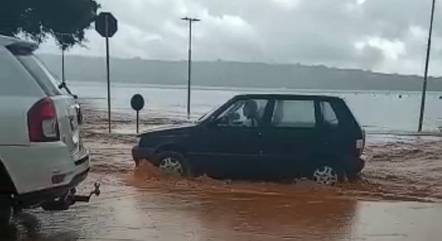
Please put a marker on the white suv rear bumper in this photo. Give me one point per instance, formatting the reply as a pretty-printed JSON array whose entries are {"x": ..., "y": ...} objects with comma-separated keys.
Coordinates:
[{"x": 41, "y": 171}]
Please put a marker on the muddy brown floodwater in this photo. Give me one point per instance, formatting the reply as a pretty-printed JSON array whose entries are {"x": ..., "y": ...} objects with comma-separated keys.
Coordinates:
[{"x": 399, "y": 197}]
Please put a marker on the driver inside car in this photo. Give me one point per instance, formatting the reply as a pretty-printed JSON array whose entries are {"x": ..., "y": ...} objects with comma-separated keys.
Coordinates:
[{"x": 250, "y": 111}]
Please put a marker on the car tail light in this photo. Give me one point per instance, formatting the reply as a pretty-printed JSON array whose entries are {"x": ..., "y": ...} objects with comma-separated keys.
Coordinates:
[
  {"x": 42, "y": 122},
  {"x": 360, "y": 143}
]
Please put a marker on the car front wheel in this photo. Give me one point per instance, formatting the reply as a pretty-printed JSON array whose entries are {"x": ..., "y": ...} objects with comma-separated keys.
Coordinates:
[
  {"x": 173, "y": 164},
  {"x": 327, "y": 175}
]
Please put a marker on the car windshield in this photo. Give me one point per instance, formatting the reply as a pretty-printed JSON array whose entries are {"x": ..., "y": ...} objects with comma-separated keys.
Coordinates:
[{"x": 207, "y": 115}]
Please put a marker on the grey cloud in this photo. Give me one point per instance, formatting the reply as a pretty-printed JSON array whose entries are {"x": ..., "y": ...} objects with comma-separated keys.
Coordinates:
[{"x": 282, "y": 31}]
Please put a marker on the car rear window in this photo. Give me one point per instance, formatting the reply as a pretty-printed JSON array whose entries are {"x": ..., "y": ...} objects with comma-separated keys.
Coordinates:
[
  {"x": 328, "y": 114},
  {"x": 38, "y": 71}
]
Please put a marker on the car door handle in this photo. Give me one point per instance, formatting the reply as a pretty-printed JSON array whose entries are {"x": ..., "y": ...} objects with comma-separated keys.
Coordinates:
[{"x": 259, "y": 133}]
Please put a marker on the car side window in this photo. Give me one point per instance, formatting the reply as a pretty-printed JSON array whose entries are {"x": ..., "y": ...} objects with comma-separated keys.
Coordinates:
[
  {"x": 294, "y": 114},
  {"x": 243, "y": 113},
  {"x": 328, "y": 114}
]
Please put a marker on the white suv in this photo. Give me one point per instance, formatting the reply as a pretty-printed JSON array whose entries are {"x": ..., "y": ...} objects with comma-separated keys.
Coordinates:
[{"x": 42, "y": 159}]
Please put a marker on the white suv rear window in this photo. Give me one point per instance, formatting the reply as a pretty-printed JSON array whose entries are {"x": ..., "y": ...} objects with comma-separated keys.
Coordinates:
[
  {"x": 44, "y": 78},
  {"x": 37, "y": 69}
]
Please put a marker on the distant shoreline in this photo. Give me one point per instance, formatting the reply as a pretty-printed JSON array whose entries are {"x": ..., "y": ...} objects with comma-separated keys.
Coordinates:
[
  {"x": 277, "y": 90},
  {"x": 231, "y": 74}
]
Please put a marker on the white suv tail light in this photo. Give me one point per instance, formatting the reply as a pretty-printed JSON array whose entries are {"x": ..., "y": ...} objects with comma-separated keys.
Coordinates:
[{"x": 42, "y": 122}]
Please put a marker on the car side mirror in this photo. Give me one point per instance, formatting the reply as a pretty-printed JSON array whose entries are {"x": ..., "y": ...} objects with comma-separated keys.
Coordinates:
[
  {"x": 225, "y": 120},
  {"x": 213, "y": 123},
  {"x": 219, "y": 121}
]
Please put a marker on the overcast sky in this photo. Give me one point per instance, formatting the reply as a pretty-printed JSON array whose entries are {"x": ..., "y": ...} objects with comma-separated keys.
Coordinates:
[{"x": 381, "y": 35}]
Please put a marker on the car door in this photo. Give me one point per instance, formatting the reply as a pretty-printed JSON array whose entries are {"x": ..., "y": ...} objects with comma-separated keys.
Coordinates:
[
  {"x": 230, "y": 144},
  {"x": 291, "y": 137}
]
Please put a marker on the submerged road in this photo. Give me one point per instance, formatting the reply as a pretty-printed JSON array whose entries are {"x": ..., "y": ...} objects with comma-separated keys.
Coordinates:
[
  {"x": 132, "y": 208},
  {"x": 140, "y": 205}
]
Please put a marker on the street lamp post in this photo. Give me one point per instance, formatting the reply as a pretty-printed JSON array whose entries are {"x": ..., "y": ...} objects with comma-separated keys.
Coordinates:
[
  {"x": 63, "y": 77},
  {"x": 427, "y": 62},
  {"x": 63, "y": 49},
  {"x": 189, "y": 62}
]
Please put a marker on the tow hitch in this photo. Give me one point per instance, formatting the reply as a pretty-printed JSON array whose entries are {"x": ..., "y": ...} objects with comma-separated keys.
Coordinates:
[
  {"x": 63, "y": 203},
  {"x": 96, "y": 192}
]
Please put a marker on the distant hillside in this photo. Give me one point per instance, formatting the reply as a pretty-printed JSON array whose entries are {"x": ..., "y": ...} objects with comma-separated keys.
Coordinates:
[{"x": 234, "y": 74}]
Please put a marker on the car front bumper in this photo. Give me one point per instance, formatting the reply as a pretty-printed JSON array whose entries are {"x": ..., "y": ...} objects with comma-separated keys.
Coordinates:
[{"x": 142, "y": 153}]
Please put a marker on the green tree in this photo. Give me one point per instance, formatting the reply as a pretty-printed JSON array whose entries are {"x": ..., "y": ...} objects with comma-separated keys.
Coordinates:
[{"x": 39, "y": 19}]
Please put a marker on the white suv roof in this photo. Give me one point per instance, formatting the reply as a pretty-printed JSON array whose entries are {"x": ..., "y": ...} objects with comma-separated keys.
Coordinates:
[{"x": 6, "y": 40}]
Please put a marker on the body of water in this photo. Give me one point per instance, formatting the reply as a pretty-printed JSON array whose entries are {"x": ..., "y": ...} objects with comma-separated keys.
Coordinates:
[{"x": 377, "y": 111}]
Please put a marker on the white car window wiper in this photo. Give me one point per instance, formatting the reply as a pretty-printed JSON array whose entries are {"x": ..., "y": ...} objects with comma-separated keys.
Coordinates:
[{"x": 63, "y": 85}]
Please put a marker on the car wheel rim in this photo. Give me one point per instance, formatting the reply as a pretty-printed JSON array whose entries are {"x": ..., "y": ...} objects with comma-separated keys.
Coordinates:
[
  {"x": 325, "y": 175},
  {"x": 171, "y": 166}
]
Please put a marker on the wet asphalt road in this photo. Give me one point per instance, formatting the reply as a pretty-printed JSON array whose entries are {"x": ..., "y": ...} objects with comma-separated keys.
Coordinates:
[{"x": 132, "y": 208}]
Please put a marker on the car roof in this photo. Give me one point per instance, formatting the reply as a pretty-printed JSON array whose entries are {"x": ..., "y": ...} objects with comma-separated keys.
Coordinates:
[
  {"x": 287, "y": 96},
  {"x": 7, "y": 41}
]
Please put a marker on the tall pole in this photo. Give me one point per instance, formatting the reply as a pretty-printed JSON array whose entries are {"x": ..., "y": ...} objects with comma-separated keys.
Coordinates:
[
  {"x": 138, "y": 121},
  {"x": 189, "y": 62},
  {"x": 427, "y": 62},
  {"x": 63, "y": 77},
  {"x": 108, "y": 78},
  {"x": 189, "y": 70},
  {"x": 63, "y": 51}
]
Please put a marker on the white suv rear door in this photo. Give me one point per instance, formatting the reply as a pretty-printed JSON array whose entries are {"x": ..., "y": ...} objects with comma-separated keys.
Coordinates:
[{"x": 65, "y": 105}]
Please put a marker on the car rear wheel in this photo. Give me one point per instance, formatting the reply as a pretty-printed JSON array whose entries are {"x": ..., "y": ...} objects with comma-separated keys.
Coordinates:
[
  {"x": 327, "y": 175},
  {"x": 5, "y": 215},
  {"x": 173, "y": 164}
]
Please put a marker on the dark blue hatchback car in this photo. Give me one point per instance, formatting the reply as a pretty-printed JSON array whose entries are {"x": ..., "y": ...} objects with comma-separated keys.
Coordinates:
[{"x": 265, "y": 137}]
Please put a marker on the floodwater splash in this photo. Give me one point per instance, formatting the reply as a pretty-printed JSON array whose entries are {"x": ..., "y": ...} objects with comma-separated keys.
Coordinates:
[
  {"x": 397, "y": 168},
  {"x": 148, "y": 176}
]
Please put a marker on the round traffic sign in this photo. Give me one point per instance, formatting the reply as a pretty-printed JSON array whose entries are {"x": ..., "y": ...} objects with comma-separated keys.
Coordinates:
[{"x": 137, "y": 102}]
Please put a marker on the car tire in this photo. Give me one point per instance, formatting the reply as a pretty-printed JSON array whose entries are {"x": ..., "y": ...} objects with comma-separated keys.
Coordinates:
[
  {"x": 326, "y": 174},
  {"x": 174, "y": 164},
  {"x": 5, "y": 215},
  {"x": 354, "y": 177}
]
